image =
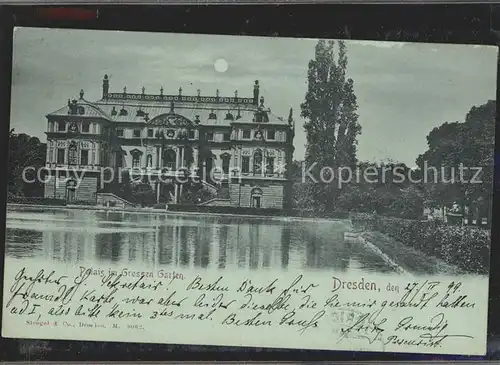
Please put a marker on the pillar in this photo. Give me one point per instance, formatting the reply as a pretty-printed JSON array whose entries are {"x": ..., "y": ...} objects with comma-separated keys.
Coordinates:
[
  {"x": 195, "y": 157},
  {"x": 97, "y": 153},
  {"x": 234, "y": 161},
  {"x": 175, "y": 192},
  {"x": 182, "y": 156},
  {"x": 160, "y": 159},
  {"x": 157, "y": 157},
  {"x": 177, "y": 157},
  {"x": 158, "y": 187},
  {"x": 48, "y": 153},
  {"x": 264, "y": 163}
]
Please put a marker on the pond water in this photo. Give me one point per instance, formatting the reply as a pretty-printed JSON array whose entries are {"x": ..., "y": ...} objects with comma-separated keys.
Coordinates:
[{"x": 186, "y": 241}]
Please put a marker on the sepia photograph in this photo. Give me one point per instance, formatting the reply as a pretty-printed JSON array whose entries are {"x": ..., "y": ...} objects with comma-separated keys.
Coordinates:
[{"x": 167, "y": 157}]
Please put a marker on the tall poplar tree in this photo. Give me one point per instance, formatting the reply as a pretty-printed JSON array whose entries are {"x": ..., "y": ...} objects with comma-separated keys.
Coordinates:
[{"x": 331, "y": 120}]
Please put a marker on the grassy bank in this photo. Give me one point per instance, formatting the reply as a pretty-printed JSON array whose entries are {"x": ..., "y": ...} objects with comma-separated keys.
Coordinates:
[{"x": 465, "y": 247}]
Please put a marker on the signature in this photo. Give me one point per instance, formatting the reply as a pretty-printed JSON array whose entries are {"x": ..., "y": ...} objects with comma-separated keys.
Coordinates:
[
  {"x": 423, "y": 340},
  {"x": 368, "y": 326}
]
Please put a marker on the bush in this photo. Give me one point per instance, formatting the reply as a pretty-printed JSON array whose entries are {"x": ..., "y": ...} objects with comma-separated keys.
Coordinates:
[
  {"x": 35, "y": 200},
  {"x": 466, "y": 247}
]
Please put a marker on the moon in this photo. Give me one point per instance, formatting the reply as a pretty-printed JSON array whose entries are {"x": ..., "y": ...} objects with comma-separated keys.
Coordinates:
[{"x": 221, "y": 65}]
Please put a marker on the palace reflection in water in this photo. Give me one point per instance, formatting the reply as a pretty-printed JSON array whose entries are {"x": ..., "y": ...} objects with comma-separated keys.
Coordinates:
[{"x": 157, "y": 240}]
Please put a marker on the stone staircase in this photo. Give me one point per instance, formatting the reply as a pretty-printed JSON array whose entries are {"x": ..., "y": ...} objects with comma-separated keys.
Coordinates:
[
  {"x": 209, "y": 187},
  {"x": 110, "y": 199},
  {"x": 223, "y": 192},
  {"x": 222, "y": 197}
]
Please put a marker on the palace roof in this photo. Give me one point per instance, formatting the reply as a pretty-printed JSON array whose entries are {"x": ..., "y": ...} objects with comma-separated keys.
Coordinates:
[
  {"x": 90, "y": 109},
  {"x": 143, "y": 108}
]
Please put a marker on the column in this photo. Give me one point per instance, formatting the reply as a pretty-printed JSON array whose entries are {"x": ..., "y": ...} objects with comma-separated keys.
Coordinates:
[
  {"x": 264, "y": 159},
  {"x": 54, "y": 152},
  {"x": 48, "y": 159},
  {"x": 239, "y": 154},
  {"x": 281, "y": 172},
  {"x": 177, "y": 158},
  {"x": 234, "y": 161},
  {"x": 195, "y": 157},
  {"x": 160, "y": 159},
  {"x": 157, "y": 157},
  {"x": 182, "y": 156},
  {"x": 175, "y": 192},
  {"x": 158, "y": 187},
  {"x": 97, "y": 154}
]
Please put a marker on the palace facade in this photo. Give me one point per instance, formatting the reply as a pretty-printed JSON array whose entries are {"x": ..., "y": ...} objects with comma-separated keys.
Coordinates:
[{"x": 233, "y": 146}]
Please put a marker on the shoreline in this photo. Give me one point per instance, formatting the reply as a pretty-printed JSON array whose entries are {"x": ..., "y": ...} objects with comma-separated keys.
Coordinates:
[{"x": 167, "y": 212}]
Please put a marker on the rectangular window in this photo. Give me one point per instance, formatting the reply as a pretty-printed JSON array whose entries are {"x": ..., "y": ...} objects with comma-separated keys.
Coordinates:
[
  {"x": 137, "y": 133},
  {"x": 150, "y": 133},
  {"x": 271, "y": 134},
  {"x": 119, "y": 132},
  {"x": 191, "y": 135},
  {"x": 136, "y": 160},
  {"x": 84, "y": 157},
  {"x": 270, "y": 165},
  {"x": 246, "y": 134},
  {"x": 245, "y": 164},
  {"x": 61, "y": 126},
  {"x": 226, "y": 137},
  {"x": 225, "y": 164},
  {"x": 85, "y": 128},
  {"x": 105, "y": 131},
  {"x": 60, "y": 156},
  {"x": 210, "y": 136}
]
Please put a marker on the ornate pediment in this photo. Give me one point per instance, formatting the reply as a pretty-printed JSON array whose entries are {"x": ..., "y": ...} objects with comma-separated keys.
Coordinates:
[
  {"x": 171, "y": 120},
  {"x": 136, "y": 151}
]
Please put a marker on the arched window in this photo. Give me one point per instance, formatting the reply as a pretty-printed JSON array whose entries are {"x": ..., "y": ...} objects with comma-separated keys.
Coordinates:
[
  {"x": 256, "y": 198},
  {"x": 257, "y": 162},
  {"x": 170, "y": 159},
  {"x": 73, "y": 154}
]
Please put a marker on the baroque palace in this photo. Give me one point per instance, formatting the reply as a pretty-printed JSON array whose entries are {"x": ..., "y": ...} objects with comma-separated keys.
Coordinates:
[{"x": 233, "y": 146}]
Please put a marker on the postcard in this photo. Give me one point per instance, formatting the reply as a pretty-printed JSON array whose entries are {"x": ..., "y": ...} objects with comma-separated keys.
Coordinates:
[{"x": 249, "y": 191}]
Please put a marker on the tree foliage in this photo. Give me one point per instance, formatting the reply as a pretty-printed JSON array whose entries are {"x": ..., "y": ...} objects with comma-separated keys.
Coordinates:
[
  {"x": 331, "y": 120},
  {"x": 25, "y": 151},
  {"x": 382, "y": 188},
  {"x": 469, "y": 144},
  {"x": 143, "y": 194}
]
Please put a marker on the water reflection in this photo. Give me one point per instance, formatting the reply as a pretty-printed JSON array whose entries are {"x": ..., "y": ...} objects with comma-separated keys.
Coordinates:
[{"x": 74, "y": 237}]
